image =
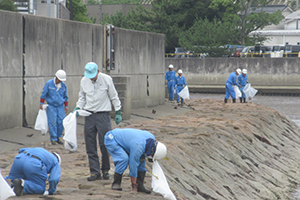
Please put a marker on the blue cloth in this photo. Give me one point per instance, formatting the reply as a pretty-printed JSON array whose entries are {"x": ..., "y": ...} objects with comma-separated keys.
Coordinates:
[
  {"x": 129, "y": 147},
  {"x": 170, "y": 78},
  {"x": 242, "y": 80},
  {"x": 229, "y": 86},
  {"x": 55, "y": 111},
  {"x": 34, "y": 171},
  {"x": 180, "y": 83}
]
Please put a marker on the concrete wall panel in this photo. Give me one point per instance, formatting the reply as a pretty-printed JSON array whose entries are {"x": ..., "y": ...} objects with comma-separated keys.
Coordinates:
[
  {"x": 98, "y": 45},
  {"x": 42, "y": 39},
  {"x": 11, "y": 97},
  {"x": 11, "y": 44}
]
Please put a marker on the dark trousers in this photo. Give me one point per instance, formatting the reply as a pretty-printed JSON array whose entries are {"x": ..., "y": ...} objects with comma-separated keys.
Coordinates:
[{"x": 97, "y": 124}]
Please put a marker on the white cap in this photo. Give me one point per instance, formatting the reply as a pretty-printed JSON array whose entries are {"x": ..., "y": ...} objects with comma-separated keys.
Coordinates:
[
  {"x": 161, "y": 151},
  {"x": 244, "y": 71},
  {"x": 61, "y": 75},
  {"x": 171, "y": 66},
  {"x": 239, "y": 71},
  {"x": 180, "y": 71},
  {"x": 58, "y": 157}
]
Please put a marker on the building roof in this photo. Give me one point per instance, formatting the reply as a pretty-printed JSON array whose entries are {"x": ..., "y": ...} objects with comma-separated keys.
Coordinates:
[
  {"x": 276, "y": 32},
  {"x": 294, "y": 15},
  {"x": 271, "y": 8}
]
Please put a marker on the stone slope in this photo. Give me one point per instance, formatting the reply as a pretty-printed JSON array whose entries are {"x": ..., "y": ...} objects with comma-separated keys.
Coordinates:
[{"x": 217, "y": 151}]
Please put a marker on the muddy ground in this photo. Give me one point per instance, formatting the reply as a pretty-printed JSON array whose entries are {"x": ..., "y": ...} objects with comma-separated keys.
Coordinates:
[{"x": 216, "y": 151}]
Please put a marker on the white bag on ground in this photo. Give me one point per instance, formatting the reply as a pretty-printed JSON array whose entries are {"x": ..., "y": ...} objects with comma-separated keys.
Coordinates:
[
  {"x": 249, "y": 91},
  {"x": 70, "y": 137},
  {"x": 5, "y": 189},
  {"x": 237, "y": 91},
  {"x": 184, "y": 93},
  {"x": 161, "y": 185},
  {"x": 41, "y": 122}
]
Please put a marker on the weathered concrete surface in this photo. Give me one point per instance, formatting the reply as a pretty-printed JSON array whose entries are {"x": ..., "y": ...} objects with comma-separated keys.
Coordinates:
[{"x": 217, "y": 151}]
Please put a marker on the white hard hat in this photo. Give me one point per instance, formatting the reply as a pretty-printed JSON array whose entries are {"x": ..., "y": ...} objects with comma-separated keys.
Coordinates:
[
  {"x": 171, "y": 66},
  {"x": 239, "y": 71},
  {"x": 161, "y": 151},
  {"x": 57, "y": 156},
  {"x": 180, "y": 71},
  {"x": 244, "y": 71},
  {"x": 61, "y": 75}
]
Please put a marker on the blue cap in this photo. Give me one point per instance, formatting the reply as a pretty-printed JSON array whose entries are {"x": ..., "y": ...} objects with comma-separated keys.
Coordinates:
[{"x": 91, "y": 70}]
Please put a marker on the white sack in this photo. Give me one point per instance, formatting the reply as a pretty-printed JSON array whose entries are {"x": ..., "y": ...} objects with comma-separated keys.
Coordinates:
[
  {"x": 41, "y": 122},
  {"x": 83, "y": 113},
  {"x": 161, "y": 185},
  {"x": 5, "y": 189},
  {"x": 184, "y": 93},
  {"x": 70, "y": 137},
  {"x": 249, "y": 91},
  {"x": 237, "y": 91}
]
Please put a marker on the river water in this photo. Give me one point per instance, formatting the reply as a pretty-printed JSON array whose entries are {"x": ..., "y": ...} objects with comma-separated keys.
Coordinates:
[{"x": 286, "y": 105}]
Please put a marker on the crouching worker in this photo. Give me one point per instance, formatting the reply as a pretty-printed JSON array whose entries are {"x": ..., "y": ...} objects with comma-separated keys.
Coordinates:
[
  {"x": 30, "y": 169},
  {"x": 131, "y": 147}
]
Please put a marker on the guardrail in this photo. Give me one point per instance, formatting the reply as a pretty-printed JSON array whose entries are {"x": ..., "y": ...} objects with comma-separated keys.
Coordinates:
[{"x": 243, "y": 55}]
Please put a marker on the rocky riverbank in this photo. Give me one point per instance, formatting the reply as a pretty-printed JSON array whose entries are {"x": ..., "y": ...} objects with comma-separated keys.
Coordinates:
[{"x": 216, "y": 151}]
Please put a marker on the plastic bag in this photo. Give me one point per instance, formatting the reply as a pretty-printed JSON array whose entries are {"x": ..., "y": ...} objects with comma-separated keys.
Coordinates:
[
  {"x": 184, "y": 93},
  {"x": 161, "y": 185},
  {"x": 83, "y": 113},
  {"x": 41, "y": 122},
  {"x": 5, "y": 189},
  {"x": 249, "y": 91},
  {"x": 237, "y": 91},
  {"x": 70, "y": 137}
]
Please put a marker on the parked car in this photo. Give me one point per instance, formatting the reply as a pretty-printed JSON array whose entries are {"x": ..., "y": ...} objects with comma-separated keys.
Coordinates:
[
  {"x": 181, "y": 52},
  {"x": 237, "y": 52},
  {"x": 247, "y": 52},
  {"x": 291, "y": 51},
  {"x": 262, "y": 51}
]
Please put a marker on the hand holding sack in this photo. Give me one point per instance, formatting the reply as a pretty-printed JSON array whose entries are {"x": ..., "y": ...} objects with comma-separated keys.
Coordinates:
[
  {"x": 237, "y": 91},
  {"x": 249, "y": 91},
  {"x": 118, "y": 117},
  {"x": 184, "y": 93}
]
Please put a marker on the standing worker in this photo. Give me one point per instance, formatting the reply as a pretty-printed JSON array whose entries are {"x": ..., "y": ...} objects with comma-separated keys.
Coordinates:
[
  {"x": 97, "y": 91},
  {"x": 131, "y": 147},
  {"x": 30, "y": 170},
  {"x": 242, "y": 81},
  {"x": 170, "y": 82},
  {"x": 55, "y": 93},
  {"x": 180, "y": 83},
  {"x": 231, "y": 81}
]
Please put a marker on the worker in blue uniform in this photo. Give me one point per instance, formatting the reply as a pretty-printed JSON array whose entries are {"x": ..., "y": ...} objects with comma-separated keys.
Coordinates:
[
  {"x": 131, "y": 147},
  {"x": 30, "y": 170},
  {"x": 180, "y": 83},
  {"x": 231, "y": 81},
  {"x": 242, "y": 81},
  {"x": 55, "y": 93},
  {"x": 170, "y": 82}
]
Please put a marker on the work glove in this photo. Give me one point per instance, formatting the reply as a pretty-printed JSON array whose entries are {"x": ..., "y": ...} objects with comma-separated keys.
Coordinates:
[
  {"x": 76, "y": 108},
  {"x": 118, "y": 117}
]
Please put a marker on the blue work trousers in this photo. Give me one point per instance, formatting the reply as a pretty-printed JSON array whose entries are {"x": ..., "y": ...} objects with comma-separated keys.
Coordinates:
[
  {"x": 229, "y": 91},
  {"x": 241, "y": 89},
  {"x": 120, "y": 156},
  {"x": 178, "y": 89},
  {"x": 55, "y": 115},
  {"x": 32, "y": 171},
  {"x": 171, "y": 85}
]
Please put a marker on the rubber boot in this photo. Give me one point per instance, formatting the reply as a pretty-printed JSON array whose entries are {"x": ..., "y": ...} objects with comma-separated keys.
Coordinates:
[
  {"x": 140, "y": 183},
  {"x": 181, "y": 105},
  {"x": 225, "y": 100},
  {"x": 241, "y": 100},
  {"x": 116, "y": 185},
  {"x": 244, "y": 100},
  {"x": 233, "y": 100}
]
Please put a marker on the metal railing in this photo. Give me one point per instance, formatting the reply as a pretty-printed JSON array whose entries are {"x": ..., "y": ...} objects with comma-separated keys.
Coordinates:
[{"x": 242, "y": 55}]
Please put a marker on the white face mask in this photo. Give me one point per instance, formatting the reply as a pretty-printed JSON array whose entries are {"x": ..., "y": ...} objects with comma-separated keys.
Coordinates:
[{"x": 57, "y": 85}]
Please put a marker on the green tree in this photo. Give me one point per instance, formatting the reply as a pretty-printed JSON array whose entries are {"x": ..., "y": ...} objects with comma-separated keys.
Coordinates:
[
  {"x": 8, "y": 5},
  {"x": 248, "y": 14},
  {"x": 78, "y": 11}
]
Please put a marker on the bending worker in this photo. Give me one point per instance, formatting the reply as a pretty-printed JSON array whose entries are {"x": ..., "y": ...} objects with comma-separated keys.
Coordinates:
[
  {"x": 180, "y": 83},
  {"x": 170, "y": 82},
  {"x": 131, "y": 147},
  {"x": 97, "y": 93},
  {"x": 30, "y": 170},
  {"x": 242, "y": 81},
  {"x": 55, "y": 93},
  {"x": 231, "y": 81}
]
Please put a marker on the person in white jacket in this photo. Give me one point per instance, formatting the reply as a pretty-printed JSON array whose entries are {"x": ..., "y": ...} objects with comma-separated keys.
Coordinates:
[{"x": 97, "y": 94}]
